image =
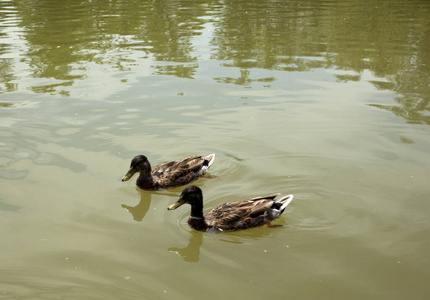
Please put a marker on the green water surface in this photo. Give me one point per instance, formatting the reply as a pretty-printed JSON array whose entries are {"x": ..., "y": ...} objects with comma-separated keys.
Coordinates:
[{"x": 327, "y": 100}]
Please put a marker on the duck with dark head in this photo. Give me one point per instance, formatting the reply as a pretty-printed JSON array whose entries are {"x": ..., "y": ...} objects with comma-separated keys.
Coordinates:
[
  {"x": 168, "y": 175},
  {"x": 233, "y": 215}
]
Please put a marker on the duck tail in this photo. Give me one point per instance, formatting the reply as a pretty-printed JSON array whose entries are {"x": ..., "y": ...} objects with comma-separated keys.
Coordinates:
[
  {"x": 284, "y": 201},
  {"x": 210, "y": 159}
]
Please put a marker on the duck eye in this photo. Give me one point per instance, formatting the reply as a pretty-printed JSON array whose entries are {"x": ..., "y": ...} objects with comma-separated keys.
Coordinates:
[{"x": 134, "y": 161}]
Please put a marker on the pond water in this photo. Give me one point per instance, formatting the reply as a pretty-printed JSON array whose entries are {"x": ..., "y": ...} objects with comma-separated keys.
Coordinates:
[{"x": 327, "y": 100}]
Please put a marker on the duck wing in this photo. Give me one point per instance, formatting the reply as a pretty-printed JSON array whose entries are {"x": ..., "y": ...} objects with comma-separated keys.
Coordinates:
[
  {"x": 176, "y": 173},
  {"x": 240, "y": 214}
]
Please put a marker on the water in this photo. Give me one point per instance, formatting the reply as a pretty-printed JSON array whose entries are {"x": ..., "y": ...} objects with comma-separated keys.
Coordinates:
[{"x": 328, "y": 100}]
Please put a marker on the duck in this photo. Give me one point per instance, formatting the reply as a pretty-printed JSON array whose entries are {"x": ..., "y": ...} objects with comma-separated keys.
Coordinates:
[
  {"x": 168, "y": 175},
  {"x": 231, "y": 216}
]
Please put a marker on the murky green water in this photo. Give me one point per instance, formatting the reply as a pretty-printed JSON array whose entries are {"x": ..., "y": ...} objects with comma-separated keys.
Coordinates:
[{"x": 328, "y": 100}]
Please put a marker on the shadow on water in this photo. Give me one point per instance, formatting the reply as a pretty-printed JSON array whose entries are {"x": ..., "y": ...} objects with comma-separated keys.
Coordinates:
[{"x": 191, "y": 252}]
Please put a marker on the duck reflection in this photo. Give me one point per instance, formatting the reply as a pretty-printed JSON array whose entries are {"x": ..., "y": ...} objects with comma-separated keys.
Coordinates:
[
  {"x": 139, "y": 211},
  {"x": 191, "y": 253}
]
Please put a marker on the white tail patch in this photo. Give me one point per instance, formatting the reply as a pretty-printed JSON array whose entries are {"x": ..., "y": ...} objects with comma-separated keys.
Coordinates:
[
  {"x": 210, "y": 158},
  {"x": 288, "y": 198}
]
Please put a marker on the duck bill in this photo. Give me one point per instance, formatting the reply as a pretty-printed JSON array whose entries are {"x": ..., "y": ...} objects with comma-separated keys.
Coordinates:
[
  {"x": 129, "y": 174},
  {"x": 176, "y": 204}
]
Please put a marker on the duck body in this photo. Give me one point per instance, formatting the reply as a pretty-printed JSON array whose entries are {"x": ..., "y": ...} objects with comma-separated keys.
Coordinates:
[
  {"x": 231, "y": 216},
  {"x": 170, "y": 174}
]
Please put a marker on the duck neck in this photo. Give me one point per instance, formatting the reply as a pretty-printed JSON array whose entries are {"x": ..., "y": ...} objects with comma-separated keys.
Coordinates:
[
  {"x": 145, "y": 181},
  {"x": 197, "y": 210},
  {"x": 197, "y": 220}
]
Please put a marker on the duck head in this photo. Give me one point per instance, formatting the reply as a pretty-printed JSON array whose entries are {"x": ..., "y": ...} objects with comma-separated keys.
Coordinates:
[
  {"x": 190, "y": 195},
  {"x": 138, "y": 164}
]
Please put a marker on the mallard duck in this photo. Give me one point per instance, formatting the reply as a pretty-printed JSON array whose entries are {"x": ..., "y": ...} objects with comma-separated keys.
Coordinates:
[
  {"x": 233, "y": 215},
  {"x": 168, "y": 175}
]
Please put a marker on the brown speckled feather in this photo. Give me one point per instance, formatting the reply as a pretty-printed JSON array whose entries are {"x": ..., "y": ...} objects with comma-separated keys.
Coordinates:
[
  {"x": 177, "y": 173},
  {"x": 170, "y": 174},
  {"x": 233, "y": 215},
  {"x": 240, "y": 214}
]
